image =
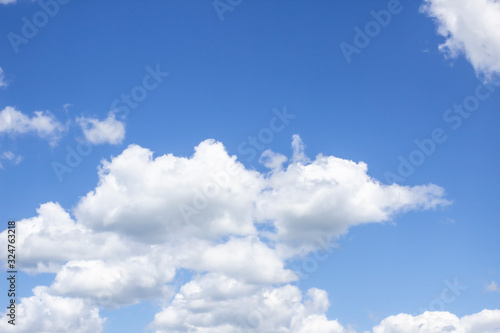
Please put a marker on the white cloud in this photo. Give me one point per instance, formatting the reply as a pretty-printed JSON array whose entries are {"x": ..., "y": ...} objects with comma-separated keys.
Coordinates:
[
  {"x": 52, "y": 238},
  {"x": 211, "y": 195},
  {"x": 66, "y": 107},
  {"x": 486, "y": 321},
  {"x": 46, "y": 313},
  {"x": 471, "y": 28},
  {"x": 43, "y": 124},
  {"x": 492, "y": 287},
  {"x": 123, "y": 282},
  {"x": 172, "y": 198},
  {"x": 109, "y": 130},
  {"x": 3, "y": 84},
  {"x": 10, "y": 156},
  {"x": 273, "y": 161},
  {"x": 215, "y": 303},
  {"x": 299, "y": 155},
  {"x": 149, "y": 217},
  {"x": 6, "y": 2},
  {"x": 311, "y": 200},
  {"x": 246, "y": 259}
]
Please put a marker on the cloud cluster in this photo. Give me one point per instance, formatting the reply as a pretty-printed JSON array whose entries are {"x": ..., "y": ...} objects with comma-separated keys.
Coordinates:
[
  {"x": 234, "y": 228},
  {"x": 172, "y": 198},
  {"x": 43, "y": 124},
  {"x": 51, "y": 238},
  {"x": 44, "y": 312},
  {"x": 486, "y": 321},
  {"x": 97, "y": 131},
  {"x": 471, "y": 28},
  {"x": 211, "y": 195},
  {"x": 215, "y": 303}
]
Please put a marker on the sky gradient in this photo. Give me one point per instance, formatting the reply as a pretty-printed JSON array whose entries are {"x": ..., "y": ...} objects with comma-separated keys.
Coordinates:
[{"x": 251, "y": 166}]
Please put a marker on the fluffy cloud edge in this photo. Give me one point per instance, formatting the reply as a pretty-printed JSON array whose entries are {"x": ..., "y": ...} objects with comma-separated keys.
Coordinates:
[
  {"x": 43, "y": 124},
  {"x": 44, "y": 312},
  {"x": 486, "y": 321},
  {"x": 109, "y": 130},
  {"x": 471, "y": 28},
  {"x": 216, "y": 303}
]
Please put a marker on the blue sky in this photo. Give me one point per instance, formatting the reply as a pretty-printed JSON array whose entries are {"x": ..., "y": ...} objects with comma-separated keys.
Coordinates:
[{"x": 388, "y": 153}]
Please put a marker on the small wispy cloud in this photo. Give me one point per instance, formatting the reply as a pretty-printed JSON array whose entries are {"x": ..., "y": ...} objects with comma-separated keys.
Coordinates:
[
  {"x": 43, "y": 124},
  {"x": 109, "y": 130},
  {"x": 6, "y": 2},
  {"x": 492, "y": 287},
  {"x": 66, "y": 107},
  {"x": 10, "y": 156},
  {"x": 3, "y": 83}
]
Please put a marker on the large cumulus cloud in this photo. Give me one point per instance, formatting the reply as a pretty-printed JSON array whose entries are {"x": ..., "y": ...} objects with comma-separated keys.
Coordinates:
[{"x": 234, "y": 228}]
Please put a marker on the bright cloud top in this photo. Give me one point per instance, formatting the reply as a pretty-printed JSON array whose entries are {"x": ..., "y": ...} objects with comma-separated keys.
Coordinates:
[
  {"x": 43, "y": 124},
  {"x": 211, "y": 195},
  {"x": 150, "y": 217},
  {"x": 328, "y": 195},
  {"x": 109, "y": 130},
  {"x": 486, "y": 321},
  {"x": 471, "y": 28},
  {"x": 214, "y": 303}
]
